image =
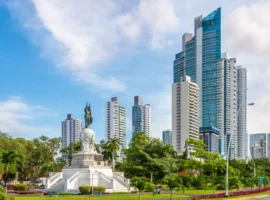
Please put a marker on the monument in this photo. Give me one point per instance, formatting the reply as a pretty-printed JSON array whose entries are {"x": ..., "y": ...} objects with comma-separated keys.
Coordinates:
[{"x": 87, "y": 167}]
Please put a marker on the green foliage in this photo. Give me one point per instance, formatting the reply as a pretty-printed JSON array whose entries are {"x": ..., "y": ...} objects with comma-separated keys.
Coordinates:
[
  {"x": 146, "y": 155},
  {"x": 111, "y": 150},
  {"x": 2, "y": 190},
  {"x": 3, "y": 196},
  {"x": 88, "y": 189},
  {"x": 20, "y": 187},
  {"x": 72, "y": 148}
]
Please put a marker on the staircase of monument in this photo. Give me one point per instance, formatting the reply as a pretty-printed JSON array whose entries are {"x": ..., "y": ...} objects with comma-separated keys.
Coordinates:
[{"x": 57, "y": 183}]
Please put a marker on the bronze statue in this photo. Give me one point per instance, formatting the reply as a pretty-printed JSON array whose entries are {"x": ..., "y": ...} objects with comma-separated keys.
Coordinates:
[{"x": 88, "y": 115}]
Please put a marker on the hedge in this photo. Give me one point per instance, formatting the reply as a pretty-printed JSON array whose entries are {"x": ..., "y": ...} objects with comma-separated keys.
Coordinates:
[
  {"x": 20, "y": 187},
  {"x": 84, "y": 189}
]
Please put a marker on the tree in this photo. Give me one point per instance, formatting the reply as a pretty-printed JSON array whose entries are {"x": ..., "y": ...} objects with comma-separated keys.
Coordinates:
[
  {"x": 173, "y": 181},
  {"x": 111, "y": 150},
  {"x": 72, "y": 148},
  {"x": 9, "y": 159},
  {"x": 139, "y": 183},
  {"x": 146, "y": 155}
]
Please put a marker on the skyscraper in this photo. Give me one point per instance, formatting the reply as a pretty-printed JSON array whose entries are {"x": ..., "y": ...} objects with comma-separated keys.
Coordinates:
[
  {"x": 71, "y": 129},
  {"x": 141, "y": 117},
  {"x": 201, "y": 59},
  {"x": 115, "y": 122},
  {"x": 243, "y": 147},
  {"x": 167, "y": 137},
  {"x": 227, "y": 104},
  {"x": 198, "y": 59},
  {"x": 185, "y": 113},
  {"x": 259, "y": 145}
]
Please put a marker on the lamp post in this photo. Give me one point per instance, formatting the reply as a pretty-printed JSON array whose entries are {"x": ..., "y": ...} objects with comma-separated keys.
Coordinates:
[
  {"x": 151, "y": 174},
  {"x": 228, "y": 152}
]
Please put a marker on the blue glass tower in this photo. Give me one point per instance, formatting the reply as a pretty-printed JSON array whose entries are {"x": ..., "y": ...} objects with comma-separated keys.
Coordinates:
[
  {"x": 198, "y": 59},
  {"x": 211, "y": 52}
]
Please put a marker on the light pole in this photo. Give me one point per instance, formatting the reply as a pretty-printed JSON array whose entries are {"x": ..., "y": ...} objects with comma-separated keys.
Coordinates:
[
  {"x": 151, "y": 174},
  {"x": 228, "y": 152}
]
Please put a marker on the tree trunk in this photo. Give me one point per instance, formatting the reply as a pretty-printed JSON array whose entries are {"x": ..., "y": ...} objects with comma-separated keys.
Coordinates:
[
  {"x": 139, "y": 194},
  {"x": 171, "y": 194},
  {"x": 6, "y": 178}
]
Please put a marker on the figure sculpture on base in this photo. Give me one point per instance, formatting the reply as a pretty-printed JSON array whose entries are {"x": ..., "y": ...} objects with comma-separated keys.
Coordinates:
[{"x": 88, "y": 135}]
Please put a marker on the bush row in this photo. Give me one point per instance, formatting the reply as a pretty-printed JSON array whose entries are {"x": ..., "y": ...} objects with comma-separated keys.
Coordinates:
[
  {"x": 20, "y": 187},
  {"x": 84, "y": 189}
]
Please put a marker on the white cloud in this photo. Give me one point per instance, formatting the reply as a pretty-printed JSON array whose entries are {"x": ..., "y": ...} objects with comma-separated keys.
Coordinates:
[
  {"x": 81, "y": 37},
  {"x": 246, "y": 36},
  {"x": 16, "y": 115}
]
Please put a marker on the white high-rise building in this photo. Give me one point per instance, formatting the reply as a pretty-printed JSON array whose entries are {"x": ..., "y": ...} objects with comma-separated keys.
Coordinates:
[
  {"x": 141, "y": 117},
  {"x": 185, "y": 113},
  {"x": 242, "y": 116},
  {"x": 71, "y": 129},
  {"x": 227, "y": 105},
  {"x": 115, "y": 122}
]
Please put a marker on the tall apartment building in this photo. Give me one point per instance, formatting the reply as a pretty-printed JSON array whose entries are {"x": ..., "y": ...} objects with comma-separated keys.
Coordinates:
[
  {"x": 115, "y": 122},
  {"x": 227, "y": 105},
  {"x": 185, "y": 113},
  {"x": 260, "y": 145},
  {"x": 71, "y": 129},
  {"x": 167, "y": 137},
  {"x": 141, "y": 117},
  {"x": 242, "y": 116}
]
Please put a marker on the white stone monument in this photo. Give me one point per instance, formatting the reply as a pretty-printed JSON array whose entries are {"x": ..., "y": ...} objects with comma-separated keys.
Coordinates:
[{"x": 87, "y": 168}]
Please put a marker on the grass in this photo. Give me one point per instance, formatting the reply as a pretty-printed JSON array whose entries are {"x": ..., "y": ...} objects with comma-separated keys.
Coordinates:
[{"x": 122, "y": 197}]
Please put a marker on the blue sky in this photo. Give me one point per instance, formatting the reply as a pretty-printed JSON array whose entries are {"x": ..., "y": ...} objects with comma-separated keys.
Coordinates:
[{"x": 57, "y": 54}]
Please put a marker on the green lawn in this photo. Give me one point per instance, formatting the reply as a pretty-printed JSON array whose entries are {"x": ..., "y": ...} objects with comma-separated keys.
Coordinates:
[
  {"x": 118, "y": 197},
  {"x": 176, "y": 195}
]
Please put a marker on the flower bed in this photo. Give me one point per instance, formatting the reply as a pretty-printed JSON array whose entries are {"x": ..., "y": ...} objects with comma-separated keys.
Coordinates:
[{"x": 235, "y": 193}]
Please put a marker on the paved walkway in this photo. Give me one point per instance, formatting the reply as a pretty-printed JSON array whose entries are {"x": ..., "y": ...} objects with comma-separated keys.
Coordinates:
[{"x": 259, "y": 197}]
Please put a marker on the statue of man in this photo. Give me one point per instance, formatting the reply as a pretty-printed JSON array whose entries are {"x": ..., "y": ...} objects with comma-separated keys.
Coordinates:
[{"x": 88, "y": 116}]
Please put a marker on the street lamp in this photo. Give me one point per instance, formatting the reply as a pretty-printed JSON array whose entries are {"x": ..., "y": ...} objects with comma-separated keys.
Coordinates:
[
  {"x": 228, "y": 151},
  {"x": 93, "y": 182},
  {"x": 151, "y": 174}
]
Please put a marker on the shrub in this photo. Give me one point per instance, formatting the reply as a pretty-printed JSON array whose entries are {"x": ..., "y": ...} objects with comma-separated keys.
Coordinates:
[
  {"x": 99, "y": 188},
  {"x": 20, "y": 187},
  {"x": 2, "y": 190},
  {"x": 3, "y": 196},
  {"x": 84, "y": 189}
]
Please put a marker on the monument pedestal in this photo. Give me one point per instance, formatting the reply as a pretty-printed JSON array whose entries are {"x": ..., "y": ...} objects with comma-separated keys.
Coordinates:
[{"x": 88, "y": 159}]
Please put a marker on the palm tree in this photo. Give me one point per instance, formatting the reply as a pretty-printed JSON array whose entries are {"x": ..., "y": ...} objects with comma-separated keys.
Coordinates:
[
  {"x": 111, "y": 149},
  {"x": 9, "y": 159}
]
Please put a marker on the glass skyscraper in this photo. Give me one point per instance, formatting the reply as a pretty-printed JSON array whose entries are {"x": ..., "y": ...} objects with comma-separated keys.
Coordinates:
[{"x": 198, "y": 59}]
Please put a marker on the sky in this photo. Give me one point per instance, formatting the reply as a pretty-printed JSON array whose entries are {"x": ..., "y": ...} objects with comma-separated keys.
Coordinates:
[{"x": 56, "y": 55}]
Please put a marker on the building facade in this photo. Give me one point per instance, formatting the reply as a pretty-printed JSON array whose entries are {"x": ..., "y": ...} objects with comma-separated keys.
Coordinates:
[
  {"x": 185, "y": 113},
  {"x": 227, "y": 105},
  {"x": 167, "y": 137},
  {"x": 260, "y": 145},
  {"x": 141, "y": 117},
  {"x": 115, "y": 122},
  {"x": 198, "y": 59},
  {"x": 71, "y": 129},
  {"x": 242, "y": 116},
  {"x": 210, "y": 136}
]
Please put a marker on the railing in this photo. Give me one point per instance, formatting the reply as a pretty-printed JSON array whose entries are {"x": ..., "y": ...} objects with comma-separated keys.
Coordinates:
[
  {"x": 104, "y": 177},
  {"x": 69, "y": 182},
  {"x": 121, "y": 179},
  {"x": 53, "y": 179}
]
